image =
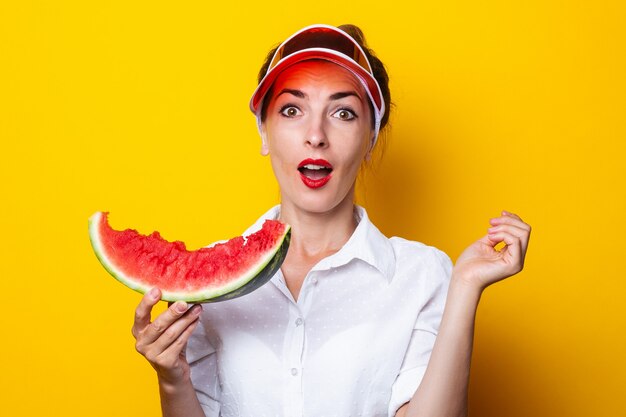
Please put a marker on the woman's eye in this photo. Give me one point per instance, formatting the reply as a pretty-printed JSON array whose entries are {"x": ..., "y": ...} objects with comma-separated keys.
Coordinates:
[
  {"x": 289, "y": 111},
  {"x": 344, "y": 114}
]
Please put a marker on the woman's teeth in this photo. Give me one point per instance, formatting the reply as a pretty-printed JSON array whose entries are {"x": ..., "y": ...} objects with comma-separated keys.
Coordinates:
[
  {"x": 315, "y": 172},
  {"x": 316, "y": 167}
]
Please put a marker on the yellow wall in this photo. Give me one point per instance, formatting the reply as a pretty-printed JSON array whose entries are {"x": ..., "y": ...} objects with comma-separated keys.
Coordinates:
[{"x": 140, "y": 108}]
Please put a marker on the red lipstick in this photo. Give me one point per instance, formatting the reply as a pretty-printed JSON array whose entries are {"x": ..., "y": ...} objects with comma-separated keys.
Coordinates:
[
  {"x": 315, "y": 173},
  {"x": 320, "y": 162}
]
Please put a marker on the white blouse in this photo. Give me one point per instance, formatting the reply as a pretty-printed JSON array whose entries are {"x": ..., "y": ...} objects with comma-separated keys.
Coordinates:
[{"x": 356, "y": 343}]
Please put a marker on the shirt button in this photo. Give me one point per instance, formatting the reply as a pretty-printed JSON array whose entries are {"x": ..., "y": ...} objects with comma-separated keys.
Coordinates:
[
  {"x": 314, "y": 281},
  {"x": 299, "y": 321},
  {"x": 294, "y": 371}
]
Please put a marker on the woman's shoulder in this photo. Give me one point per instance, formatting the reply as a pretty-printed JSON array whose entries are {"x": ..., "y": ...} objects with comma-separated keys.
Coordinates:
[
  {"x": 414, "y": 254},
  {"x": 406, "y": 247},
  {"x": 408, "y": 255}
]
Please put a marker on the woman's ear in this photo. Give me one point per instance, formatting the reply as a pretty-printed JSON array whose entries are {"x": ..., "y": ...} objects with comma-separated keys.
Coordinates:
[{"x": 370, "y": 148}]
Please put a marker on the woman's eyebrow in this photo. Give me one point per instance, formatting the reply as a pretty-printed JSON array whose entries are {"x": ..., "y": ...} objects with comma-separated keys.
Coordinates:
[
  {"x": 296, "y": 93},
  {"x": 343, "y": 94}
]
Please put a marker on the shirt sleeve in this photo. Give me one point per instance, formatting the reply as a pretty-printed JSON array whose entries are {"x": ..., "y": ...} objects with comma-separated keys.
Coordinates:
[
  {"x": 424, "y": 332},
  {"x": 202, "y": 361}
]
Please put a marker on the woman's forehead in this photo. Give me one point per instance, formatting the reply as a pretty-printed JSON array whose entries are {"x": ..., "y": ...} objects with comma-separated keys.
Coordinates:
[{"x": 318, "y": 73}]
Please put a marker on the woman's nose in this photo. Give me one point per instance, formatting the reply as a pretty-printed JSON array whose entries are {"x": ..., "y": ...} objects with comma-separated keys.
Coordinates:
[{"x": 316, "y": 134}]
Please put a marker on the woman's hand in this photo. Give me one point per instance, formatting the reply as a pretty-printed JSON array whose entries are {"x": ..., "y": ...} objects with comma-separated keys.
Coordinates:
[
  {"x": 163, "y": 341},
  {"x": 481, "y": 265}
]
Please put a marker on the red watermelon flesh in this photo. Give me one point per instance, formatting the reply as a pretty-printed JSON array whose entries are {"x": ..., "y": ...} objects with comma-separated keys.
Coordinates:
[{"x": 222, "y": 271}]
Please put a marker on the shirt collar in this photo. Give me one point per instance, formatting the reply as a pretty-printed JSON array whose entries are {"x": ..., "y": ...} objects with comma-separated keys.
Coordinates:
[{"x": 367, "y": 243}]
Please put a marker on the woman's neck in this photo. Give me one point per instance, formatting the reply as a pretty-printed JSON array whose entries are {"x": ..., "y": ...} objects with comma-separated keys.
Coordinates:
[{"x": 317, "y": 235}]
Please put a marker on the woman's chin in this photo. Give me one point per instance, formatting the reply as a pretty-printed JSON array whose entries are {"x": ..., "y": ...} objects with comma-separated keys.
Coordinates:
[{"x": 319, "y": 202}]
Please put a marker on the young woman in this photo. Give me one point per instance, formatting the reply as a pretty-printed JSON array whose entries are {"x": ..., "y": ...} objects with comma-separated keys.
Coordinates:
[{"x": 354, "y": 323}]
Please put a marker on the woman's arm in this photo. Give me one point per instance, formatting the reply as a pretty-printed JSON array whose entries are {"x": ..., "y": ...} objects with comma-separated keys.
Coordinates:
[
  {"x": 179, "y": 400},
  {"x": 443, "y": 390},
  {"x": 162, "y": 342}
]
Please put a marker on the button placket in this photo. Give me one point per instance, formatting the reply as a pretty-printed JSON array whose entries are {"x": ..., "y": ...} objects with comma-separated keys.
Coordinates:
[
  {"x": 295, "y": 345},
  {"x": 293, "y": 361}
]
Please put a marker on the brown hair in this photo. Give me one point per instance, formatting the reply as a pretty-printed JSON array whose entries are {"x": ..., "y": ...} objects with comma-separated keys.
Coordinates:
[{"x": 378, "y": 68}]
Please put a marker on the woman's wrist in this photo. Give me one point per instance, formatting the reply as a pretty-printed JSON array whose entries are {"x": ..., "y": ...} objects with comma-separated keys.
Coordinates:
[
  {"x": 466, "y": 286},
  {"x": 179, "y": 398},
  {"x": 172, "y": 387}
]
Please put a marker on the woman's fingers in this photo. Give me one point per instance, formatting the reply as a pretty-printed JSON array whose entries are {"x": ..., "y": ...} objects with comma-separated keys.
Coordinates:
[
  {"x": 174, "y": 331},
  {"x": 166, "y": 328},
  {"x": 509, "y": 239},
  {"x": 155, "y": 329},
  {"x": 516, "y": 231},
  {"x": 144, "y": 311},
  {"x": 513, "y": 252},
  {"x": 508, "y": 213},
  {"x": 481, "y": 264},
  {"x": 168, "y": 357},
  {"x": 513, "y": 224},
  {"x": 162, "y": 341},
  {"x": 510, "y": 218}
]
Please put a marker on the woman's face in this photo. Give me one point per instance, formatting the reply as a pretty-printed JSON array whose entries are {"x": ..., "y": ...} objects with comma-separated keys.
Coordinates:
[{"x": 317, "y": 131}]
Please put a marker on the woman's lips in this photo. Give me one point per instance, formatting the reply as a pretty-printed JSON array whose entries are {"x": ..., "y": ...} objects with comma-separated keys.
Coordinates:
[
  {"x": 315, "y": 173},
  {"x": 312, "y": 183}
]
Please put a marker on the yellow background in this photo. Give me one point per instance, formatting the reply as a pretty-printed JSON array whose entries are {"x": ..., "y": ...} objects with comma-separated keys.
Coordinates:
[{"x": 140, "y": 108}]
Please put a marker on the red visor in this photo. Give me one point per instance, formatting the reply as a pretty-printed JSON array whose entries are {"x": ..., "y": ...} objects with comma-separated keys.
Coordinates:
[{"x": 321, "y": 42}]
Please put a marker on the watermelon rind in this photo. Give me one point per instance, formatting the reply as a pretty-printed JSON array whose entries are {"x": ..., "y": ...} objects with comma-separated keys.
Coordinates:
[{"x": 248, "y": 281}]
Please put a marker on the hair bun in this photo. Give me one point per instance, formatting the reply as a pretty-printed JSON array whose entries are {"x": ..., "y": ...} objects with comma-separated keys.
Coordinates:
[{"x": 355, "y": 32}]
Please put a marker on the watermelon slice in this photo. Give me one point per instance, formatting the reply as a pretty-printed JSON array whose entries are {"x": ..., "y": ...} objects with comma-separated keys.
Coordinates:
[{"x": 221, "y": 271}]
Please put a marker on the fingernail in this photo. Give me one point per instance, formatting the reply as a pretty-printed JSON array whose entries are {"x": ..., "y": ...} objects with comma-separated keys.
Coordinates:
[
  {"x": 181, "y": 306},
  {"x": 154, "y": 293},
  {"x": 197, "y": 308},
  {"x": 504, "y": 212}
]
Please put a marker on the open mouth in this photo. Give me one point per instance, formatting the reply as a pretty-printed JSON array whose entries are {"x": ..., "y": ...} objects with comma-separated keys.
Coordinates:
[{"x": 315, "y": 172}]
